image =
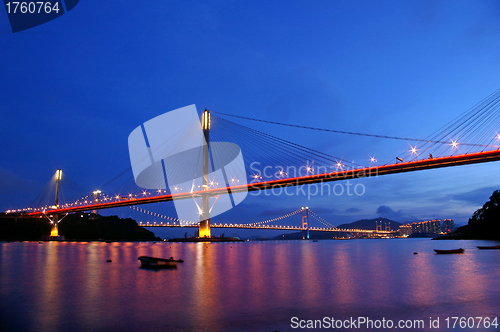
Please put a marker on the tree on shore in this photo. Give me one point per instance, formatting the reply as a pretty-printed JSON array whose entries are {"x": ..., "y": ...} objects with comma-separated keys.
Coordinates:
[{"x": 485, "y": 222}]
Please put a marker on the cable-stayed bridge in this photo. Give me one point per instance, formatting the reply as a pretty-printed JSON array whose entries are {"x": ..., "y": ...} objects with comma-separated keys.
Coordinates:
[{"x": 272, "y": 163}]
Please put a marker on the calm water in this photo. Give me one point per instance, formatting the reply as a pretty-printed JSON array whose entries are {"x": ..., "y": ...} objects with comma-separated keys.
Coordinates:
[{"x": 251, "y": 286}]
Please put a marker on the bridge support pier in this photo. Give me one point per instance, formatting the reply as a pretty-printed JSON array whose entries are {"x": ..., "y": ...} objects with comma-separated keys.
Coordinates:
[
  {"x": 305, "y": 222},
  {"x": 54, "y": 228},
  {"x": 204, "y": 230},
  {"x": 54, "y": 231}
]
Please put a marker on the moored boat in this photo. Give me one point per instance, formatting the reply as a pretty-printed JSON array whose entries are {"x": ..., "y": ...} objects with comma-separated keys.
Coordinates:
[
  {"x": 449, "y": 251},
  {"x": 155, "y": 262},
  {"x": 488, "y": 247}
]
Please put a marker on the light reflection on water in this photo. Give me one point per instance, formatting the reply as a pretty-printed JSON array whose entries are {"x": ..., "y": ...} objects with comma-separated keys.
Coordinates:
[{"x": 256, "y": 286}]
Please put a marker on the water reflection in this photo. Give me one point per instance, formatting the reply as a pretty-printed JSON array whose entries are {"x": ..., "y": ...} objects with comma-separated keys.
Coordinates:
[
  {"x": 238, "y": 286},
  {"x": 48, "y": 301}
]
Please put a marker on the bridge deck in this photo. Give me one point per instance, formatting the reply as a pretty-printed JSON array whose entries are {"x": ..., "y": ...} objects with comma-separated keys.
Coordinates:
[
  {"x": 412, "y": 166},
  {"x": 291, "y": 228}
]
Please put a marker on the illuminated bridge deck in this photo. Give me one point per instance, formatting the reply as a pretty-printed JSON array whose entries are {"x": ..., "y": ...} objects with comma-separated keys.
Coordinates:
[
  {"x": 412, "y": 166},
  {"x": 291, "y": 228}
]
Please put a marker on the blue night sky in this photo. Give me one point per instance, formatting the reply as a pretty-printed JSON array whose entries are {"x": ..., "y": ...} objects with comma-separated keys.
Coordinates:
[{"x": 74, "y": 88}]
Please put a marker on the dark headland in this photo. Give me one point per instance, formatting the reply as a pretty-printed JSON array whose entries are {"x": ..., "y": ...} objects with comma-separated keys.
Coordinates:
[
  {"x": 483, "y": 225},
  {"x": 76, "y": 227}
]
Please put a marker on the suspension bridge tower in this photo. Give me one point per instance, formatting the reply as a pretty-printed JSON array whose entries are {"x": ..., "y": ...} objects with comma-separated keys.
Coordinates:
[
  {"x": 305, "y": 222},
  {"x": 54, "y": 231},
  {"x": 97, "y": 196},
  {"x": 204, "y": 230}
]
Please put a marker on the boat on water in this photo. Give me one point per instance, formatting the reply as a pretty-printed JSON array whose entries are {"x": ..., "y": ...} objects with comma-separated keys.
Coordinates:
[
  {"x": 488, "y": 247},
  {"x": 449, "y": 251},
  {"x": 155, "y": 262}
]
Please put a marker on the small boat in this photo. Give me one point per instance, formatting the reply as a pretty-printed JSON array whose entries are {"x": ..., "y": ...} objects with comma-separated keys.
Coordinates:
[
  {"x": 488, "y": 247},
  {"x": 450, "y": 251},
  {"x": 147, "y": 261}
]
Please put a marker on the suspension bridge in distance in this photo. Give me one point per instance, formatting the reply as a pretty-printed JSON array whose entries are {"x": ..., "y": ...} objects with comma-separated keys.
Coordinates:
[
  {"x": 345, "y": 233},
  {"x": 305, "y": 226}
]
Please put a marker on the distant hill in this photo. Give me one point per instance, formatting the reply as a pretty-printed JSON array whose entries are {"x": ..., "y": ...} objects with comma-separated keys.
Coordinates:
[
  {"x": 370, "y": 224},
  {"x": 87, "y": 226}
]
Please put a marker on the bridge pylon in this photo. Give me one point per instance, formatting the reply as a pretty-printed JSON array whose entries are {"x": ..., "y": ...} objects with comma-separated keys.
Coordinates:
[
  {"x": 54, "y": 231},
  {"x": 305, "y": 222},
  {"x": 204, "y": 230},
  {"x": 97, "y": 196}
]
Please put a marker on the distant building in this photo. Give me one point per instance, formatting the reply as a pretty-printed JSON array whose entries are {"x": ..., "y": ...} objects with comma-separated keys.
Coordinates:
[
  {"x": 428, "y": 226},
  {"x": 417, "y": 227},
  {"x": 432, "y": 226},
  {"x": 405, "y": 230},
  {"x": 448, "y": 225}
]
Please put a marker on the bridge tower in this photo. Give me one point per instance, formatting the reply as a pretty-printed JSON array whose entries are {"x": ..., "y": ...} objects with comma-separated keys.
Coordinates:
[
  {"x": 54, "y": 231},
  {"x": 204, "y": 230},
  {"x": 378, "y": 226},
  {"x": 305, "y": 222},
  {"x": 388, "y": 226},
  {"x": 97, "y": 196}
]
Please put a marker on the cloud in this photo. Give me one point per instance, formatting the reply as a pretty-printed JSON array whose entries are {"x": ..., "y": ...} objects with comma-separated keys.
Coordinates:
[
  {"x": 385, "y": 211},
  {"x": 476, "y": 197},
  {"x": 352, "y": 210}
]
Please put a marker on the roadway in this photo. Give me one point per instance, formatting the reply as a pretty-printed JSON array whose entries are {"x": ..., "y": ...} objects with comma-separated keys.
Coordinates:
[{"x": 403, "y": 167}]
